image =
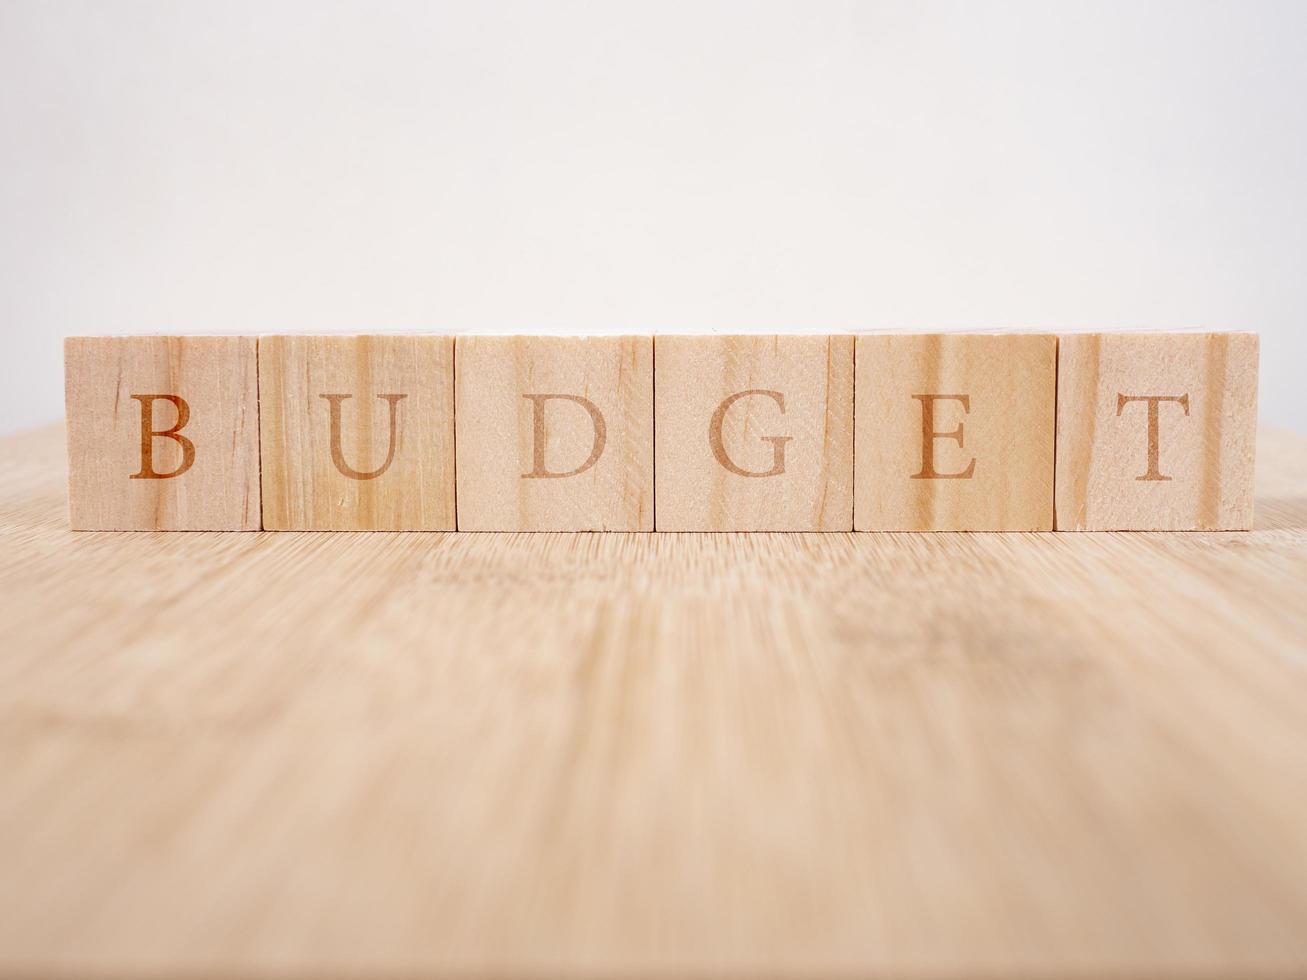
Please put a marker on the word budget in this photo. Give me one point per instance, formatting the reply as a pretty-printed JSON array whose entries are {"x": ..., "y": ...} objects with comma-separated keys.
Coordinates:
[{"x": 868, "y": 432}]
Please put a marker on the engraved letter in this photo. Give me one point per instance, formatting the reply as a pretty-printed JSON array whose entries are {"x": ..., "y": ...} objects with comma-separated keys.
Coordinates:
[
  {"x": 778, "y": 442},
  {"x": 148, "y": 435},
  {"x": 1153, "y": 402},
  {"x": 538, "y": 469},
  {"x": 338, "y": 457},
  {"x": 929, "y": 435}
]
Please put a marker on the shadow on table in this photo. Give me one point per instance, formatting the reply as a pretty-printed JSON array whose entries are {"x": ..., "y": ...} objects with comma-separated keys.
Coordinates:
[{"x": 1280, "y": 514}]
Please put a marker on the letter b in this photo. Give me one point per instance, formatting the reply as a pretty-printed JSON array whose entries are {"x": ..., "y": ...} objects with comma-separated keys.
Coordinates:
[{"x": 149, "y": 434}]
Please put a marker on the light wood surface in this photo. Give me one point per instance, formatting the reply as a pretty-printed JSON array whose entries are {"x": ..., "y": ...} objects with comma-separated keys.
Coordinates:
[
  {"x": 954, "y": 432},
  {"x": 555, "y": 433},
  {"x": 326, "y": 754},
  {"x": 753, "y": 433},
  {"x": 357, "y": 432},
  {"x": 163, "y": 432},
  {"x": 1156, "y": 431}
]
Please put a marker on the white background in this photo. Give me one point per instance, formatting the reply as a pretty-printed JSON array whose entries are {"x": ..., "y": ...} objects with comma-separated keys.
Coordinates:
[{"x": 703, "y": 166}]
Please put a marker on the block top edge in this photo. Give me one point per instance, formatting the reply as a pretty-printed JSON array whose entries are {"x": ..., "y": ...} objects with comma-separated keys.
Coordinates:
[{"x": 892, "y": 332}]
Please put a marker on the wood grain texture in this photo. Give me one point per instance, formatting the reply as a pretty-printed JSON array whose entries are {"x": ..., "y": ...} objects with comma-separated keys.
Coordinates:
[
  {"x": 954, "y": 432},
  {"x": 753, "y": 433},
  {"x": 630, "y": 754},
  {"x": 1156, "y": 431},
  {"x": 555, "y": 433},
  {"x": 203, "y": 388},
  {"x": 357, "y": 432}
]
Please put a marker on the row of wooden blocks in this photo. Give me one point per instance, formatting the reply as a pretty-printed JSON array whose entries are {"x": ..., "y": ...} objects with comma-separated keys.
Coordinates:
[{"x": 899, "y": 432}]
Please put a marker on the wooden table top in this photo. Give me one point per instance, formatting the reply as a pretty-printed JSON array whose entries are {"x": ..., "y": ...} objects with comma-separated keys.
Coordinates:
[{"x": 762, "y": 754}]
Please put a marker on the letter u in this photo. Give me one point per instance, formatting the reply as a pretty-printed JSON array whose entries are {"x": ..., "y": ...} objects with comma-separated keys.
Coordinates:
[{"x": 338, "y": 456}]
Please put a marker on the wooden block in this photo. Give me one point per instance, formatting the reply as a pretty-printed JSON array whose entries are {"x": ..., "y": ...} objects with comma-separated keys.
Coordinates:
[
  {"x": 753, "y": 433},
  {"x": 163, "y": 433},
  {"x": 954, "y": 432},
  {"x": 555, "y": 433},
  {"x": 358, "y": 433},
  {"x": 1156, "y": 432}
]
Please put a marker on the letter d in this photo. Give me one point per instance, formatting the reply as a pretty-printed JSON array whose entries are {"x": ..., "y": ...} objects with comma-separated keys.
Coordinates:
[{"x": 539, "y": 471}]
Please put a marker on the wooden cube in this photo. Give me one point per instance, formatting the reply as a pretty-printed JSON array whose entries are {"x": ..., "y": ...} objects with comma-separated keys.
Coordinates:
[
  {"x": 1156, "y": 431},
  {"x": 357, "y": 432},
  {"x": 954, "y": 432},
  {"x": 555, "y": 433},
  {"x": 163, "y": 433},
  {"x": 753, "y": 433}
]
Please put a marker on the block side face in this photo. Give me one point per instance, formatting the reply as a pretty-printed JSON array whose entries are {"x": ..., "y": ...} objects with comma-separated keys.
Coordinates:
[
  {"x": 1077, "y": 381},
  {"x": 162, "y": 433},
  {"x": 955, "y": 432},
  {"x": 274, "y": 482},
  {"x": 1236, "y": 419},
  {"x": 358, "y": 432},
  {"x": 754, "y": 433},
  {"x": 555, "y": 433},
  {"x": 1156, "y": 432}
]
